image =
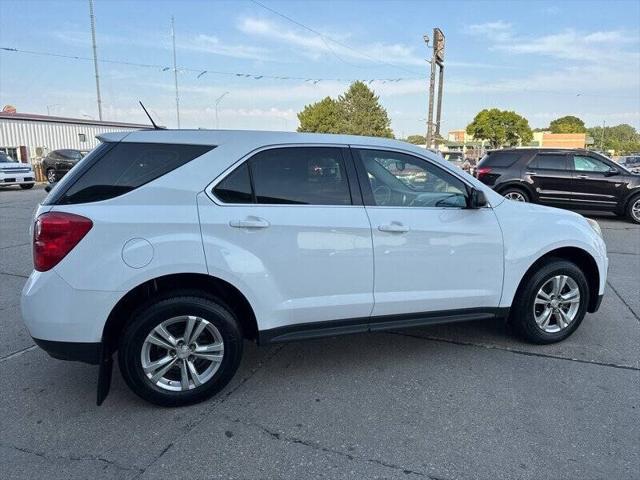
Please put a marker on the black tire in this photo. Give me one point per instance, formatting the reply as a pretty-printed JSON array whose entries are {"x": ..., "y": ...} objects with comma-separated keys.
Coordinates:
[
  {"x": 634, "y": 202},
  {"x": 522, "y": 316},
  {"x": 149, "y": 316},
  {"x": 52, "y": 175},
  {"x": 516, "y": 191},
  {"x": 26, "y": 186}
]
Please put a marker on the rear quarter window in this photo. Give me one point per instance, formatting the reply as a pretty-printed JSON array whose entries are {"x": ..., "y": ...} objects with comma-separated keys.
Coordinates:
[
  {"x": 500, "y": 159},
  {"x": 125, "y": 167}
]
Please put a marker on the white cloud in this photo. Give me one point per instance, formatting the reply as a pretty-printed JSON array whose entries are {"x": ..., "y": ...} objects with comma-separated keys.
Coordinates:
[
  {"x": 496, "y": 31},
  {"x": 316, "y": 47},
  {"x": 212, "y": 44}
]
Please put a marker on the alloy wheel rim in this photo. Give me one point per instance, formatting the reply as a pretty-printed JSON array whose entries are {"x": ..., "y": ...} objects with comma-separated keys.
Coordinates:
[
  {"x": 515, "y": 196},
  {"x": 51, "y": 176},
  {"x": 635, "y": 210},
  {"x": 182, "y": 353},
  {"x": 556, "y": 304}
]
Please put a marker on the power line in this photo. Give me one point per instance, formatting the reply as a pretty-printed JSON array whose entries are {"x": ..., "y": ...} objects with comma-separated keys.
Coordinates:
[
  {"x": 259, "y": 76},
  {"x": 204, "y": 71},
  {"x": 326, "y": 37}
]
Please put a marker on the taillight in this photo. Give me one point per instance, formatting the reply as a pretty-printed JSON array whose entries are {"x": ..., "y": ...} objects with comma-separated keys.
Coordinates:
[
  {"x": 55, "y": 234},
  {"x": 482, "y": 171}
]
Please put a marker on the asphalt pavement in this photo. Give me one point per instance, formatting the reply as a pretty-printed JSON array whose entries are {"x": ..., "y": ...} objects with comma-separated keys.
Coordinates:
[{"x": 464, "y": 401}]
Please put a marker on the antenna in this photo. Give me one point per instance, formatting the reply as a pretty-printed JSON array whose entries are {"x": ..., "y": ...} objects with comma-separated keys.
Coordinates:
[{"x": 156, "y": 127}]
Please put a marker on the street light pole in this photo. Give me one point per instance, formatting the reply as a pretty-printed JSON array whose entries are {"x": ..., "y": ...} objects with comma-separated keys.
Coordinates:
[{"x": 216, "y": 107}]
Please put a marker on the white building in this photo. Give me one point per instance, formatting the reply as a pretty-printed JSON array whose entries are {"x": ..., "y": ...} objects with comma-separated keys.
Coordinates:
[{"x": 26, "y": 137}]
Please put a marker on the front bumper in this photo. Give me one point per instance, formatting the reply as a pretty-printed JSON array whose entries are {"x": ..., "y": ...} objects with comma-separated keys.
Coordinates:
[{"x": 74, "y": 351}]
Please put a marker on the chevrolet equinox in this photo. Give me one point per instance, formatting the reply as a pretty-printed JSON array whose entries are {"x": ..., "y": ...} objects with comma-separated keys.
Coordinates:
[{"x": 169, "y": 248}]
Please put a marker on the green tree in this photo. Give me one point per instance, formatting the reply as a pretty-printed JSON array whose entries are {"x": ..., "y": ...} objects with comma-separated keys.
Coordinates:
[
  {"x": 621, "y": 138},
  {"x": 416, "y": 139},
  {"x": 500, "y": 127},
  {"x": 357, "y": 112},
  {"x": 568, "y": 124},
  {"x": 325, "y": 116},
  {"x": 363, "y": 113}
]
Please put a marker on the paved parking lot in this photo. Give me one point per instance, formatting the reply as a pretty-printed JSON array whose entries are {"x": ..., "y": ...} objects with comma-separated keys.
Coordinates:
[{"x": 453, "y": 402}]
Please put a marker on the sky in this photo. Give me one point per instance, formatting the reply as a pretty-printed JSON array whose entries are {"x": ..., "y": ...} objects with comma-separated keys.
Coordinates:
[{"x": 541, "y": 59}]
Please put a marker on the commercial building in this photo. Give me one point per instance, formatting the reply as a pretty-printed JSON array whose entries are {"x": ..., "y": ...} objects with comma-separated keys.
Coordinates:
[{"x": 27, "y": 137}]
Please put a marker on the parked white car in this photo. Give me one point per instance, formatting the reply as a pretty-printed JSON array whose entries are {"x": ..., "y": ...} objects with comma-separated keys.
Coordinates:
[
  {"x": 13, "y": 172},
  {"x": 171, "y": 247}
]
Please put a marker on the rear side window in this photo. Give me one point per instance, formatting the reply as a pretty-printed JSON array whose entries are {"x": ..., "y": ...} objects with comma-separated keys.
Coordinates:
[
  {"x": 300, "y": 175},
  {"x": 236, "y": 187},
  {"x": 126, "y": 167},
  {"x": 291, "y": 175},
  {"x": 549, "y": 161},
  {"x": 500, "y": 159}
]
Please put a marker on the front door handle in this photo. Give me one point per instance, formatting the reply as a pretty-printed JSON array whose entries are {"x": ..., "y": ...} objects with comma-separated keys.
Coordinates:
[
  {"x": 582, "y": 176},
  {"x": 250, "y": 222},
  {"x": 394, "y": 227}
]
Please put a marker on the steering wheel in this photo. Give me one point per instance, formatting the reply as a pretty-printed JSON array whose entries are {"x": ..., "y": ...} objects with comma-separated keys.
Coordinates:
[{"x": 382, "y": 195}]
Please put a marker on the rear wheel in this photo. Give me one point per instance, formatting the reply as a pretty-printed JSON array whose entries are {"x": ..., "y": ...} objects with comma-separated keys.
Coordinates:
[
  {"x": 180, "y": 349},
  {"x": 633, "y": 209},
  {"x": 52, "y": 176},
  {"x": 551, "y": 303},
  {"x": 516, "y": 194},
  {"x": 26, "y": 186}
]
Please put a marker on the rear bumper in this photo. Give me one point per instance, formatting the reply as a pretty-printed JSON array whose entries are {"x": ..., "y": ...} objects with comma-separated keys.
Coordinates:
[
  {"x": 54, "y": 311},
  {"x": 73, "y": 351}
]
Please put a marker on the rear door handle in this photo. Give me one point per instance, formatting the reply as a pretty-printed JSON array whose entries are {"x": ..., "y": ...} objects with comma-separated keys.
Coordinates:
[
  {"x": 394, "y": 227},
  {"x": 251, "y": 222},
  {"x": 532, "y": 174},
  {"x": 582, "y": 176}
]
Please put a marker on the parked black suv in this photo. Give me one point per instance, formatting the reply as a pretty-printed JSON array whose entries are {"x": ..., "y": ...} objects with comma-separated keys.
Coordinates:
[
  {"x": 59, "y": 162},
  {"x": 576, "y": 179}
]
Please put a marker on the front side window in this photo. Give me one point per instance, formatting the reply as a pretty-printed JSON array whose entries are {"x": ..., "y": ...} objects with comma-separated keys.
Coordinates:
[
  {"x": 549, "y": 161},
  {"x": 400, "y": 180},
  {"x": 589, "y": 164}
]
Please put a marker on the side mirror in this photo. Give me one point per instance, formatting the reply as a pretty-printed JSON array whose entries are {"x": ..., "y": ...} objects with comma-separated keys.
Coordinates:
[
  {"x": 477, "y": 199},
  {"x": 49, "y": 187},
  {"x": 611, "y": 172}
]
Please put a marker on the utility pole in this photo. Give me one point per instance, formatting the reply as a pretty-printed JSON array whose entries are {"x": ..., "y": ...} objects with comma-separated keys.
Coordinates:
[
  {"x": 95, "y": 57},
  {"x": 175, "y": 69},
  {"x": 437, "y": 60}
]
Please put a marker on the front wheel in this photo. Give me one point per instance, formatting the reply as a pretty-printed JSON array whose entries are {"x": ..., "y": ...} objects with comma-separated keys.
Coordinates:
[
  {"x": 26, "y": 186},
  {"x": 180, "y": 349},
  {"x": 551, "y": 303}
]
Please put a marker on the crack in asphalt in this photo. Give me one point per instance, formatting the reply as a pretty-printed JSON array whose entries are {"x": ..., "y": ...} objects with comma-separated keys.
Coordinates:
[
  {"x": 13, "y": 246},
  {"x": 623, "y": 301},
  {"x": 193, "y": 424},
  {"x": 512, "y": 350},
  {"x": 17, "y": 353},
  {"x": 316, "y": 446},
  {"x": 14, "y": 275},
  {"x": 71, "y": 458},
  {"x": 622, "y": 253}
]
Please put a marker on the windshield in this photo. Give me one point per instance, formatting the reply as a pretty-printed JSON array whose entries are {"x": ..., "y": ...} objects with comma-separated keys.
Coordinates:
[{"x": 4, "y": 158}]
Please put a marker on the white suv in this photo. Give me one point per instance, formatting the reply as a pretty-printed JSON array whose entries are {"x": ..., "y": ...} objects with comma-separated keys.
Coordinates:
[
  {"x": 13, "y": 172},
  {"x": 171, "y": 247}
]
